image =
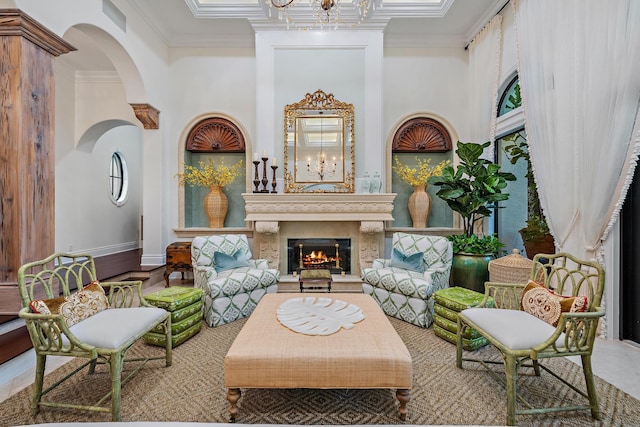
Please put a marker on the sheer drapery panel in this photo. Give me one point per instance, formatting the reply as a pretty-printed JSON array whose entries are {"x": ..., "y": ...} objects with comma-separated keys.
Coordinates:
[{"x": 579, "y": 63}]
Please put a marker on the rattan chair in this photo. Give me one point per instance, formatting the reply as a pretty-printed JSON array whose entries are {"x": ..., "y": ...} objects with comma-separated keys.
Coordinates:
[
  {"x": 524, "y": 339},
  {"x": 76, "y": 328}
]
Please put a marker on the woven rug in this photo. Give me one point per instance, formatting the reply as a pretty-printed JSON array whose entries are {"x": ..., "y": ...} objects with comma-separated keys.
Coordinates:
[{"x": 192, "y": 390}]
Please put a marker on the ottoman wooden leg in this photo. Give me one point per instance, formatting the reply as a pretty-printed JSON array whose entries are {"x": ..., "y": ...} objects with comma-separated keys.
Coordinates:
[
  {"x": 403, "y": 397},
  {"x": 233, "y": 395}
]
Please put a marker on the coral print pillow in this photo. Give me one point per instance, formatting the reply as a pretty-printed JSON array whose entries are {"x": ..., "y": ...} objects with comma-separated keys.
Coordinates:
[
  {"x": 75, "y": 307},
  {"x": 547, "y": 305}
]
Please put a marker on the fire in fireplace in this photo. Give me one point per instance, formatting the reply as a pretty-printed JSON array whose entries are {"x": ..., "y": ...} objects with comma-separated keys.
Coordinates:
[{"x": 328, "y": 254}]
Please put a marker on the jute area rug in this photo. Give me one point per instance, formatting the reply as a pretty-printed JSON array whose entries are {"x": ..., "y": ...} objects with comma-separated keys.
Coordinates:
[{"x": 192, "y": 390}]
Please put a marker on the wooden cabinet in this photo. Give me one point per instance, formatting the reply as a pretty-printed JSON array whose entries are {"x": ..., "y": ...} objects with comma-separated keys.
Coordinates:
[{"x": 178, "y": 259}]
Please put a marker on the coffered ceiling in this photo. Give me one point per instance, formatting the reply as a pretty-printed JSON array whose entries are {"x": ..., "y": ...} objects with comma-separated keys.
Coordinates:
[{"x": 233, "y": 23}]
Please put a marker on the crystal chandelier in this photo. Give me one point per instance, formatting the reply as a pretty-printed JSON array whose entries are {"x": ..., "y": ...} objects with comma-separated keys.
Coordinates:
[{"x": 325, "y": 12}]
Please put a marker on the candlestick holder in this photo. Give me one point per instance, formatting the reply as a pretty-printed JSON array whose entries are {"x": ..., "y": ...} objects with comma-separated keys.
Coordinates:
[
  {"x": 273, "y": 181},
  {"x": 256, "y": 179},
  {"x": 265, "y": 180}
]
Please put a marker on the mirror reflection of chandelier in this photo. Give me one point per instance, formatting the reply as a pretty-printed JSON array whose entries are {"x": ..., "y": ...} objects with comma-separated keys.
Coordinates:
[
  {"x": 325, "y": 12},
  {"x": 320, "y": 165}
]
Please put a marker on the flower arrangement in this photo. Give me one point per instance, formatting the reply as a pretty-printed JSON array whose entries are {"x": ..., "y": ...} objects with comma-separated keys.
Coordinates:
[
  {"x": 210, "y": 173},
  {"x": 420, "y": 174}
]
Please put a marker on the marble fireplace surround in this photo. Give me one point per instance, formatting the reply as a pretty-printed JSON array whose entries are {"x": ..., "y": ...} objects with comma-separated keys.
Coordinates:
[{"x": 360, "y": 217}]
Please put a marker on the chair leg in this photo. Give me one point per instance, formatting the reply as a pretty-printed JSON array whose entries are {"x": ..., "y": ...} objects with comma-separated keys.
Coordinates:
[
  {"x": 168, "y": 349},
  {"x": 92, "y": 365},
  {"x": 536, "y": 367},
  {"x": 461, "y": 330},
  {"x": 511, "y": 371},
  {"x": 591, "y": 387},
  {"x": 41, "y": 362},
  {"x": 115, "y": 368}
]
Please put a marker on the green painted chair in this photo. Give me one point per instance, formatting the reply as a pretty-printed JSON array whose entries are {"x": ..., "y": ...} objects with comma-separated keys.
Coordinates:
[
  {"x": 556, "y": 314},
  {"x": 404, "y": 284},
  {"x": 99, "y": 322}
]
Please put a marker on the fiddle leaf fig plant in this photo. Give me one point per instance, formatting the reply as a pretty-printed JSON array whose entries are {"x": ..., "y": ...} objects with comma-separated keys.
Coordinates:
[{"x": 472, "y": 190}]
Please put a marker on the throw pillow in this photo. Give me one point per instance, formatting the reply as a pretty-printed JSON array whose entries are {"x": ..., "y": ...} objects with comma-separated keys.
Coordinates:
[
  {"x": 547, "y": 305},
  {"x": 411, "y": 262},
  {"x": 75, "y": 307},
  {"x": 222, "y": 261}
]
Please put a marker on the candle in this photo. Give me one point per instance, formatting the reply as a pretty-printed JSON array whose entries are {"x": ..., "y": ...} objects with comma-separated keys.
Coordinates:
[
  {"x": 255, "y": 157},
  {"x": 264, "y": 154},
  {"x": 274, "y": 162}
]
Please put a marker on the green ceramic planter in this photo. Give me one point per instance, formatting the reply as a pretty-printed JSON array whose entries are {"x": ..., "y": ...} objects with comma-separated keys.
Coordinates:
[{"x": 470, "y": 270}]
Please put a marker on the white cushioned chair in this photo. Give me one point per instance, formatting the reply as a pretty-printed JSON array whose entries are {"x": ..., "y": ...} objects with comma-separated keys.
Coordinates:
[
  {"x": 556, "y": 314},
  {"x": 98, "y": 322},
  {"x": 233, "y": 282},
  {"x": 404, "y": 284}
]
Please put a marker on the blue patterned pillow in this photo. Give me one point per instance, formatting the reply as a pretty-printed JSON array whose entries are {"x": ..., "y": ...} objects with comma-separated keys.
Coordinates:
[
  {"x": 408, "y": 262},
  {"x": 223, "y": 262}
]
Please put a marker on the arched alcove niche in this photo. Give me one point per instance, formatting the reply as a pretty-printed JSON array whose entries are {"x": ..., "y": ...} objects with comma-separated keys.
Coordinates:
[
  {"x": 420, "y": 135},
  {"x": 213, "y": 136}
]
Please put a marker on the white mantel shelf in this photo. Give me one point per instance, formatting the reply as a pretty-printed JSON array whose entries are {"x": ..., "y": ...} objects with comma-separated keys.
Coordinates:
[{"x": 319, "y": 206}]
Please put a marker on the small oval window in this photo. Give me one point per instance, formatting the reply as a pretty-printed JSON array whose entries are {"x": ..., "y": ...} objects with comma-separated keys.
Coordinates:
[{"x": 118, "y": 179}]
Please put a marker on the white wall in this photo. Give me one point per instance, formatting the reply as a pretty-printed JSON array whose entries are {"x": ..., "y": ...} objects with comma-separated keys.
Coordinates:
[{"x": 206, "y": 81}]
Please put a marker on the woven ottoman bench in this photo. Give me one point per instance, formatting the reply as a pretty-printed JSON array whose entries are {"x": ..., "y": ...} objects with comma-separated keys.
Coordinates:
[
  {"x": 448, "y": 303},
  {"x": 185, "y": 306}
]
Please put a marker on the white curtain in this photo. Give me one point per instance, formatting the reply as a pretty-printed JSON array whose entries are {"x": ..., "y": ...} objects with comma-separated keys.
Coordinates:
[
  {"x": 484, "y": 72},
  {"x": 579, "y": 71}
]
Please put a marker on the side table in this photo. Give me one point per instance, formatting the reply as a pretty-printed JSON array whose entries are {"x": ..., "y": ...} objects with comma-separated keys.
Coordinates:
[
  {"x": 315, "y": 278},
  {"x": 178, "y": 259}
]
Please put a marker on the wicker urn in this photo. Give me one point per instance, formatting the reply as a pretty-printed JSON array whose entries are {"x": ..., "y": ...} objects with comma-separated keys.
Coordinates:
[{"x": 512, "y": 268}]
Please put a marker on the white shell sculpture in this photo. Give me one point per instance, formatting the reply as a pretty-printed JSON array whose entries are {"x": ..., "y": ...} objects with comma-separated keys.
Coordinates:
[{"x": 318, "y": 316}]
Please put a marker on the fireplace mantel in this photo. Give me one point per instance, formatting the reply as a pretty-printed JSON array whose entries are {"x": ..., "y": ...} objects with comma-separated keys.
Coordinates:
[
  {"x": 319, "y": 207},
  {"x": 358, "y": 216}
]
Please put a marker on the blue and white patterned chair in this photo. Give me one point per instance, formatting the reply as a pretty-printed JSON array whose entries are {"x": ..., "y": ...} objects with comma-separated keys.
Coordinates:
[
  {"x": 404, "y": 284},
  {"x": 232, "y": 282}
]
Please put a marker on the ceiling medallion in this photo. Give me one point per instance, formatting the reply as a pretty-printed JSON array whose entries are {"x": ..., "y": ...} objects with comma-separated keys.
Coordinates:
[{"x": 326, "y": 13}]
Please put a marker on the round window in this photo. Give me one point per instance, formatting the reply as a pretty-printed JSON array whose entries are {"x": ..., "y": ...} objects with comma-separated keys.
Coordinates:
[{"x": 118, "y": 179}]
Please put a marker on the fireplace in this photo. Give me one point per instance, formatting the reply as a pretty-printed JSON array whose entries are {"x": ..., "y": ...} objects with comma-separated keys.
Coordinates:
[{"x": 314, "y": 253}]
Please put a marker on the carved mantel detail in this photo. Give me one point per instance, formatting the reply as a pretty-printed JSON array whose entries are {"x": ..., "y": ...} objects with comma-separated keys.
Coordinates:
[
  {"x": 363, "y": 214},
  {"x": 148, "y": 115}
]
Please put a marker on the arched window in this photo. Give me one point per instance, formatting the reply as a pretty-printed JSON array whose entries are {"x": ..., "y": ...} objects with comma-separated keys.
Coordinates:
[
  {"x": 510, "y": 99},
  {"x": 511, "y": 154},
  {"x": 118, "y": 179}
]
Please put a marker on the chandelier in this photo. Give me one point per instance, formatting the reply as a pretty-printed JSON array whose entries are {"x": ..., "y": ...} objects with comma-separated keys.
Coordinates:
[
  {"x": 321, "y": 166},
  {"x": 325, "y": 12}
]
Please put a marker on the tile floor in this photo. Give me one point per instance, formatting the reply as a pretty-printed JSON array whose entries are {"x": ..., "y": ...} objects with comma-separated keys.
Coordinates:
[{"x": 615, "y": 361}]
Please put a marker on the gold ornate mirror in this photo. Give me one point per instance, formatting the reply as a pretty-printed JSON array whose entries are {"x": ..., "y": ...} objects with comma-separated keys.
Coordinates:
[{"x": 319, "y": 145}]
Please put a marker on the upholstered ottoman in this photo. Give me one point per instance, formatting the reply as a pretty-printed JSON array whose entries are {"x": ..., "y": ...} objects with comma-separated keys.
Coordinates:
[
  {"x": 448, "y": 303},
  {"x": 185, "y": 306}
]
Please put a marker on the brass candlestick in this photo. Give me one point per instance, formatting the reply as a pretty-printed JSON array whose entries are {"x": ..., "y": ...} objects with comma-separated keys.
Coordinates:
[
  {"x": 301, "y": 266},
  {"x": 256, "y": 180},
  {"x": 265, "y": 180},
  {"x": 337, "y": 256},
  {"x": 273, "y": 181}
]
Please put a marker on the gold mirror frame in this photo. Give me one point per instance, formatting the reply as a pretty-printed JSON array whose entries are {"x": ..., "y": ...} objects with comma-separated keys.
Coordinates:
[{"x": 321, "y": 106}]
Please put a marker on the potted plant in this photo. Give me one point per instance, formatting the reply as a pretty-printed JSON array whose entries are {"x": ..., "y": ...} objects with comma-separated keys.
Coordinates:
[
  {"x": 536, "y": 236},
  {"x": 419, "y": 203},
  {"x": 215, "y": 175},
  {"x": 472, "y": 190}
]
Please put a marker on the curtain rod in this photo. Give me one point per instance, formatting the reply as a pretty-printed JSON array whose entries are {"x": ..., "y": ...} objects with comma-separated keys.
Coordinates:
[{"x": 498, "y": 12}]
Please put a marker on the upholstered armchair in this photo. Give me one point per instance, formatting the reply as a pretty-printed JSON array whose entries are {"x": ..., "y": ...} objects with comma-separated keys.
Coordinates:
[
  {"x": 233, "y": 282},
  {"x": 404, "y": 284}
]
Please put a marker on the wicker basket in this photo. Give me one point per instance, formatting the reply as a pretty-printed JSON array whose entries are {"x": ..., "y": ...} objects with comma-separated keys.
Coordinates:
[{"x": 512, "y": 268}]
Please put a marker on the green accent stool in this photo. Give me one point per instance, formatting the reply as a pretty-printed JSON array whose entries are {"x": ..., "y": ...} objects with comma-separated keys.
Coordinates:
[
  {"x": 185, "y": 306},
  {"x": 448, "y": 303}
]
